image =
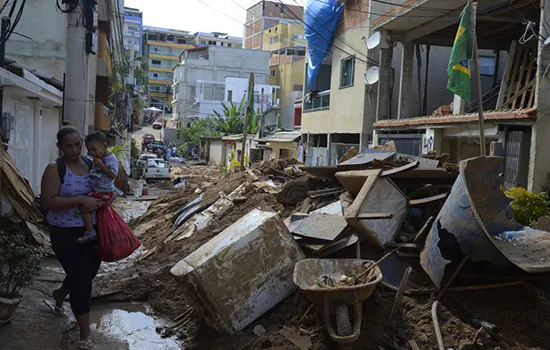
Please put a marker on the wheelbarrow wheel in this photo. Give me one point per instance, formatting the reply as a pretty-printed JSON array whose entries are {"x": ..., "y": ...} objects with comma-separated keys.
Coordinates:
[{"x": 343, "y": 322}]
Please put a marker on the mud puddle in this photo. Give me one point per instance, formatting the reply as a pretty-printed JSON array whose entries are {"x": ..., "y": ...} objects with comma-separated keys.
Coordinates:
[{"x": 131, "y": 325}]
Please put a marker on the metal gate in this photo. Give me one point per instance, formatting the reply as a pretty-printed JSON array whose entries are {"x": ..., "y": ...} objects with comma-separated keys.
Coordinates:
[
  {"x": 516, "y": 158},
  {"x": 407, "y": 144}
]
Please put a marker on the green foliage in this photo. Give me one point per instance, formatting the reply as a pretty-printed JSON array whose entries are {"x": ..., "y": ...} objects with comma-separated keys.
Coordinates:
[
  {"x": 528, "y": 206},
  {"x": 192, "y": 134},
  {"x": 19, "y": 264},
  {"x": 134, "y": 152},
  {"x": 232, "y": 120}
]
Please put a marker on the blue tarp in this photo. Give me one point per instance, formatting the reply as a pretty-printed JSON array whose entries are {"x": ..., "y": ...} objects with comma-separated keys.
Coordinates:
[{"x": 321, "y": 18}]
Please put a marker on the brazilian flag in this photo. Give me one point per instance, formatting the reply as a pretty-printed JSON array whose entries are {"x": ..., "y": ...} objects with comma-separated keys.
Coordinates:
[{"x": 459, "y": 71}]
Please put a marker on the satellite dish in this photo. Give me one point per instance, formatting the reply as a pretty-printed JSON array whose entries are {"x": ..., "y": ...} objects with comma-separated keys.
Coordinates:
[
  {"x": 373, "y": 41},
  {"x": 372, "y": 75}
]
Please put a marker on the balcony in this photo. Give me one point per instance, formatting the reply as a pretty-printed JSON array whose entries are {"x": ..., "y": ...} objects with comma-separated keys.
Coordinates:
[
  {"x": 160, "y": 80},
  {"x": 161, "y": 68},
  {"x": 318, "y": 103}
]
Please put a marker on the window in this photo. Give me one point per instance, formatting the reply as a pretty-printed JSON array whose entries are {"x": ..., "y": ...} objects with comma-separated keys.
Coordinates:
[
  {"x": 133, "y": 28},
  {"x": 487, "y": 65},
  {"x": 155, "y": 62},
  {"x": 155, "y": 75},
  {"x": 347, "y": 72},
  {"x": 155, "y": 49},
  {"x": 229, "y": 95},
  {"x": 294, "y": 37},
  {"x": 273, "y": 73},
  {"x": 228, "y": 44}
]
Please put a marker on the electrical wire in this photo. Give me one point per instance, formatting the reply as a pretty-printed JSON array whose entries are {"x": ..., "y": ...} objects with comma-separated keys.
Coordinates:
[
  {"x": 13, "y": 24},
  {"x": 221, "y": 12},
  {"x": 294, "y": 16}
]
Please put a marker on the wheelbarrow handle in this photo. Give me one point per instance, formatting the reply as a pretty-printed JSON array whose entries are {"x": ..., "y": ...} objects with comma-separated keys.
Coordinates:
[{"x": 356, "y": 327}]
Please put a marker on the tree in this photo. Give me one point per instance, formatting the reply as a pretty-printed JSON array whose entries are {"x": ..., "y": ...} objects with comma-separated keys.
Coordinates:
[
  {"x": 232, "y": 120},
  {"x": 197, "y": 129}
]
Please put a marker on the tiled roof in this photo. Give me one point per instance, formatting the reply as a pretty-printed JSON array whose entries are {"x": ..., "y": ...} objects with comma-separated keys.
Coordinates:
[{"x": 519, "y": 114}]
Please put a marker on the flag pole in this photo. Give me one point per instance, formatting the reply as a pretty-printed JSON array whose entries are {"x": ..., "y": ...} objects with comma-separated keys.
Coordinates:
[{"x": 473, "y": 6}]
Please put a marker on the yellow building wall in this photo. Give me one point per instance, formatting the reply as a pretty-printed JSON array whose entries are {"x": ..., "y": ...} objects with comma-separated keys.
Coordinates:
[
  {"x": 347, "y": 105},
  {"x": 291, "y": 147},
  {"x": 286, "y": 31},
  {"x": 286, "y": 76}
]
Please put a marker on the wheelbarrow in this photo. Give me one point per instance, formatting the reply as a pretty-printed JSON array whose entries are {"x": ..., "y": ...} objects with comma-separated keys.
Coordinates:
[{"x": 308, "y": 273}]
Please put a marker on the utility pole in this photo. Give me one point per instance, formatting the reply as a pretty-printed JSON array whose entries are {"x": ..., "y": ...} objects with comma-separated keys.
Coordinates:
[
  {"x": 249, "y": 108},
  {"x": 79, "y": 105},
  {"x": 478, "y": 82},
  {"x": 262, "y": 118}
]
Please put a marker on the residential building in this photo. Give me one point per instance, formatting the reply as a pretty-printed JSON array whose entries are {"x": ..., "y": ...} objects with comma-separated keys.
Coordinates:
[
  {"x": 217, "y": 39},
  {"x": 514, "y": 96},
  {"x": 264, "y": 15},
  {"x": 287, "y": 45},
  {"x": 162, "y": 48},
  {"x": 133, "y": 30},
  {"x": 33, "y": 83},
  {"x": 208, "y": 76}
]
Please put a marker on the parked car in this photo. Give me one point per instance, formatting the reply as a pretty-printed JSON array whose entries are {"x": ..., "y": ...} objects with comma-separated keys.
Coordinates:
[
  {"x": 158, "y": 124},
  {"x": 147, "y": 139},
  {"x": 142, "y": 160},
  {"x": 154, "y": 146},
  {"x": 157, "y": 169}
]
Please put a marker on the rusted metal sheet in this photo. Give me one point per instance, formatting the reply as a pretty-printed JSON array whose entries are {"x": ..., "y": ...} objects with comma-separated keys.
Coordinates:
[
  {"x": 476, "y": 213},
  {"x": 326, "y": 227},
  {"x": 243, "y": 272}
]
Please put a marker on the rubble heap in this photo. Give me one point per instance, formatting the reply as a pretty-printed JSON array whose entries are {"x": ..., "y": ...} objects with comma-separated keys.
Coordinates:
[{"x": 379, "y": 205}]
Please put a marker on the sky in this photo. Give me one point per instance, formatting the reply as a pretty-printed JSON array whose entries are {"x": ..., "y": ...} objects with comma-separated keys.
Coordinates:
[{"x": 226, "y": 16}]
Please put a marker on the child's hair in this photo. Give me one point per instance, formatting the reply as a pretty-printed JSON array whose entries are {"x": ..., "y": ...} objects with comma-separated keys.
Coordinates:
[
  {"x": 65, "y": 131},
  {"x": 96, "y": 136}
]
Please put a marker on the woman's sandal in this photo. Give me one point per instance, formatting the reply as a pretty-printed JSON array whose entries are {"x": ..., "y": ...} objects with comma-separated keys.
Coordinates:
[
  {"x": 58, "y": 311},
  {"x": 84, "y": 344}
]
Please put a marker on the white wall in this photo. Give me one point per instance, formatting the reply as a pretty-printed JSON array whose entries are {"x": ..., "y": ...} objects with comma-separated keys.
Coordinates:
[
  {"x": 48, "y": 30},
  {"x": 216, "y": 152},
  {"x": 33, "y": 139}
]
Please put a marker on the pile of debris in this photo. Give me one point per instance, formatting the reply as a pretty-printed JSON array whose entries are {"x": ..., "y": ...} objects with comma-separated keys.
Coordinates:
[
  {"x": 19, "y": 211},
  {"x": 227, "y": 248}
]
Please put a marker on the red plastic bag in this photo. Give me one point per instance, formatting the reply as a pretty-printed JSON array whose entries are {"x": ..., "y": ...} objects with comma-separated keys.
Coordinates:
[{"x": 116, "y": 239}]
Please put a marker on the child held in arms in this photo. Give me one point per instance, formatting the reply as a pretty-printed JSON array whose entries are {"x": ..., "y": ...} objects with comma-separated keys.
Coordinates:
[{"x": 102, "y": 178}]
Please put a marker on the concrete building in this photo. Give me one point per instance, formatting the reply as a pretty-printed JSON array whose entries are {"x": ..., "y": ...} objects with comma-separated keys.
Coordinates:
[
  {"x": 264, "y": 15},
  {"x": 133, "y": 30},
  {"x": 162, "y": 48},
  {"x": 216, "y": 39},
  {"x": 208, "y": 76},
  {"x": 287, "y": 45},
  {"x": 46, "y": 55},
  {"x": 514, "y": 87},
  {"x": 31, "y": 116}
]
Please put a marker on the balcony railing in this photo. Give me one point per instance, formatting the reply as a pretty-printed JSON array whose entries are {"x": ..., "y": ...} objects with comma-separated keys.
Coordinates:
[
  {"x": 164, "y": 53},
  {"x": 160, "y": 78},
  {"x": 318, "y": 103},
  {"x": 161, "y": 66}
]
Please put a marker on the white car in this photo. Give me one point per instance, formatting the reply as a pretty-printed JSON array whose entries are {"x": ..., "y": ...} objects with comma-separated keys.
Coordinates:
[
  {"x": 142, "y": 161},
  {"x": 157, "y": 169}
]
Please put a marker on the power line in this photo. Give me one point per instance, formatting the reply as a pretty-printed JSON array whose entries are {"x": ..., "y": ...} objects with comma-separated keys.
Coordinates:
[
  {"x": 221, "y": 12},
  {"x": 323, "y": 38}
]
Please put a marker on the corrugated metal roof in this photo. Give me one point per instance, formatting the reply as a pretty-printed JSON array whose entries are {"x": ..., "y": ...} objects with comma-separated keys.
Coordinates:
[{"x": 282, "y": 136}]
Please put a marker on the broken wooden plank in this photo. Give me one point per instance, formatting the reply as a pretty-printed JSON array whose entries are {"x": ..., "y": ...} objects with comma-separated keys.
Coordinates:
[
  {"x": 400, "y": 169},
  {"x": 301, "y": 341},
  {"x": 403, "y": 245},
  {"x": 251, "y": 173},
  {"x": 374, "y": 216},
  {"x": 421, "y": 201}
]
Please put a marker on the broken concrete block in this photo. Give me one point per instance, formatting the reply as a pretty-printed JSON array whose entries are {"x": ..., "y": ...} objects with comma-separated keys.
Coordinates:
[{"x": 243, "y": 272}]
